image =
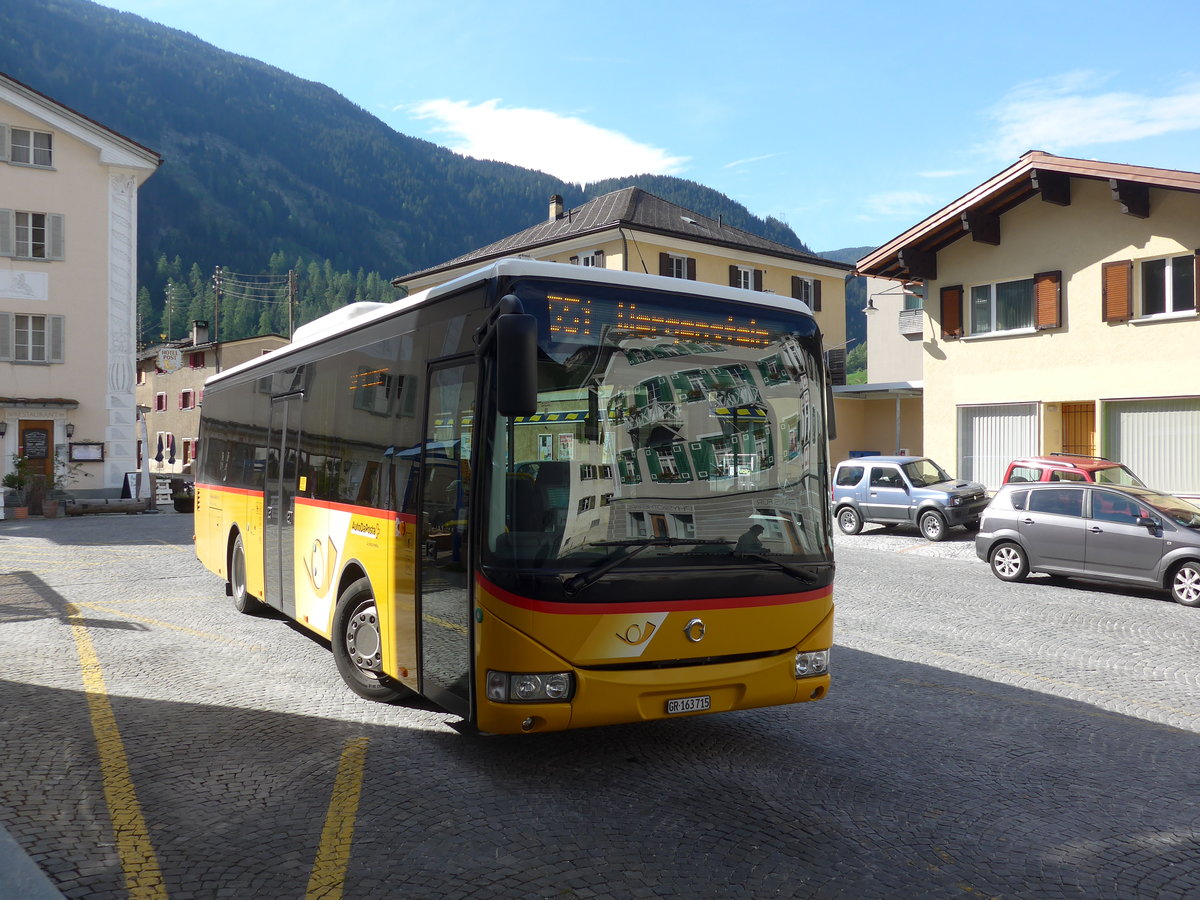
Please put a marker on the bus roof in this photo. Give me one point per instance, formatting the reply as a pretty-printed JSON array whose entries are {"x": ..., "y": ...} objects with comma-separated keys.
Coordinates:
[{"x": 355, "y": 315}]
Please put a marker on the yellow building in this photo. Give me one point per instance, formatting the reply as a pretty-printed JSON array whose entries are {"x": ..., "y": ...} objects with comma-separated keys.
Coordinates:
[
  {"x": 1061, "y": 317},
  {"x": 633, "y": 230},
  {"x": 68, "y": 262}
]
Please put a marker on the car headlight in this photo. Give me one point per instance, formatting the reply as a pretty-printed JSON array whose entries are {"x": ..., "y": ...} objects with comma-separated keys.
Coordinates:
[
  {"x": 956, "y": 501},
  {"x": 812, "y": 662},
  {"x": 529, "y": 687}
]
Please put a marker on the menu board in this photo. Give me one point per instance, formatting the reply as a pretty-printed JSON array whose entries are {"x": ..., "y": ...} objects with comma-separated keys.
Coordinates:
[{"x": 37, "y": 443}]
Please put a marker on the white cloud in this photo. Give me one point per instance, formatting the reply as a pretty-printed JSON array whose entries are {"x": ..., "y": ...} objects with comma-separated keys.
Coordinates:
[
  {"x": 1066, "y": 112},
  {"x": 897, "y": 204},
  {"x": 564, "y": 146}
]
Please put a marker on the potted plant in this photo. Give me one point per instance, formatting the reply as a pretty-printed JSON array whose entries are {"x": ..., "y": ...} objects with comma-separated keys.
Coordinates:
[
  {"x": 16, "y": 487},
  {"x": 63, "y": 473}
]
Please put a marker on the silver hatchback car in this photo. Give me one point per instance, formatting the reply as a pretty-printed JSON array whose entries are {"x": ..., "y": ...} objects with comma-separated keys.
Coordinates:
[{"x": 1131, "y": 535}]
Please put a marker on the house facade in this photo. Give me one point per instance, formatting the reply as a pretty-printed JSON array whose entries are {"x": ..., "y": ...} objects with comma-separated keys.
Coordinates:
[
  {"x": 68, "y": 252},
  {"x": 1061, "y": 318},
  {"x": 633, "y": 230},
  {"x": 170, "y": 393}
]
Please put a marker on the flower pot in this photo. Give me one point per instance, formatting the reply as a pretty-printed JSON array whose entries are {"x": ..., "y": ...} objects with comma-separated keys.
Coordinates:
[
  {"x": 20, "y": 512},
  {"x": 50, "y": 509}
]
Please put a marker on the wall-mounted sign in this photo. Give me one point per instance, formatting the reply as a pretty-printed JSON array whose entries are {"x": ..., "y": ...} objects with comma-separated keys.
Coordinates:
[{"x": 169, "y": 359}]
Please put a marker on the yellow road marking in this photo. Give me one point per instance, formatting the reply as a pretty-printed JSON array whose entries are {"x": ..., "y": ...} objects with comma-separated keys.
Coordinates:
[
  {"x": 442, "y": 623},
  {"x": 333, "y": 853},
  {"x": 125, "y": 614},
  {"x": 143, "y": 878}
]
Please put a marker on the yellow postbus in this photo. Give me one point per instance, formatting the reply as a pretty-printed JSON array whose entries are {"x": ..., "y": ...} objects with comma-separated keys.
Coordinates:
[{"x": 543, "y": 496}]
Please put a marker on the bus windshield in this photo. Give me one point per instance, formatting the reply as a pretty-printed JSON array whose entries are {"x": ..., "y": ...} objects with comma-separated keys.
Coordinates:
[{"x": 670, "y": 430}]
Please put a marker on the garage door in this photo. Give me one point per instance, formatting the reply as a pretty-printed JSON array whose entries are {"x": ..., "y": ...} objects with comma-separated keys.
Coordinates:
[
  {"x": 990, "y": 436},
  {"x": 1158, "y": 439}
]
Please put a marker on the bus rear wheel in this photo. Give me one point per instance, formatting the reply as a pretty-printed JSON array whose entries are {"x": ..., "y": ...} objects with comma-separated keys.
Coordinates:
[
  {"x": 243, "y": 600},
  {"x": 358, "y": 645}
]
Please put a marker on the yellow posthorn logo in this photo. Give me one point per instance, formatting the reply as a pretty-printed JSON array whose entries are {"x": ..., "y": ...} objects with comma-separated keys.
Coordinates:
[
  {"x": 322, "y": 560},
  {"x": 635, "y": 634}
]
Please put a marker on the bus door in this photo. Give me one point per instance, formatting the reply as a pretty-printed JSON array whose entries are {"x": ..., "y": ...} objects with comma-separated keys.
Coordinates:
[
  {"x": 444, "y": 575},
  {"x": 283, "y": 441}
]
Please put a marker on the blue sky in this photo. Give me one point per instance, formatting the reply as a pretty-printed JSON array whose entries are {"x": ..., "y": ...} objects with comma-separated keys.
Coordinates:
[{"x": 850, "y": 121}]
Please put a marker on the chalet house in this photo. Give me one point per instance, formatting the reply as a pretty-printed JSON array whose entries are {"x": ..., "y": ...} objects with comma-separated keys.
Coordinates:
[
  {"x": 1061, "y": 316},
  {"x": 633, "y": 230},
  {"x": 68, "y": 253}
]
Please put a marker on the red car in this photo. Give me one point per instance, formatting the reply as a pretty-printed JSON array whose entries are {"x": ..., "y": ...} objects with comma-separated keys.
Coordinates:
[{"x": 1067, "y": 467}]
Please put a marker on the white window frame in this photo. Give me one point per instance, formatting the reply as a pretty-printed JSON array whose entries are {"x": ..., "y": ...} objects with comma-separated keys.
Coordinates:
[
  {"x": 18, "y": 229},
  {"x": 17, "y": 338},
  {"x": 806, "y": 289},
  {"x": 187, "y": 399},
  {"x": 27, "y": 152},
  {"x": 1169, "y": 309},
  {"x": 745, "y": 278},
  {"x": 160, "y": 402},
  {"x": 992, "y": 328},
  {"x": 678, "y": 266}
]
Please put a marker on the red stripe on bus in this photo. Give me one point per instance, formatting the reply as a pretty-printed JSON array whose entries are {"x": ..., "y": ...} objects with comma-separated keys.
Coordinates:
[
  {"x": 372, "y": 511},
  {"x": 591, "y": 609}
]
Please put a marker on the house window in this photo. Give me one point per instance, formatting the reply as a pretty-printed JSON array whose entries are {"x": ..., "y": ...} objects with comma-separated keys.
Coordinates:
[
  {"x": 160, "y": 402},
  {"x": 745, "y": 277},
  {"x": 672, "y": 265},
  {"x": 187, "y": 399},
  {"x": 593, "y": 259},
  {"x": 196, "y": 360},
  {"x": 808, "y": 290},
  {"x": 1004, "y": 306},
  {"x": 31, "y": 148},
  {"x": 1168, "y": 285},
  {"x": 31, "y": 235},
  {"x": 31, "y": 339}
]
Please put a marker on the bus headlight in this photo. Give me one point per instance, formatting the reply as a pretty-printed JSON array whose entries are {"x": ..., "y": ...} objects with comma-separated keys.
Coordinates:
[
  {"x": 529, "y": 687},
  {"x": 812, "y": 662}
]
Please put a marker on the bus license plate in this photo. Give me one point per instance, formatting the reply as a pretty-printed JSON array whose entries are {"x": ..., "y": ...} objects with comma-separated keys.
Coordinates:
[{"x": 688, "y": 704}]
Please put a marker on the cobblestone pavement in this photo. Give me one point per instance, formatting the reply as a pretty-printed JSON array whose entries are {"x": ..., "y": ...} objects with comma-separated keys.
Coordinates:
[{"x": 980, "y": 740}]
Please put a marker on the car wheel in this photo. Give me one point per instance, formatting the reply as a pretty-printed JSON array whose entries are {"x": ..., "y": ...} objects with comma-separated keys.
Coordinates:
[
  {"x": 1185, "y": 584},
  {"x": 933, "y": 526},
  {"x": 1009, "y": 562},
  {"x": 358, "y": 645},
  {"x": 849, "y": 520}
]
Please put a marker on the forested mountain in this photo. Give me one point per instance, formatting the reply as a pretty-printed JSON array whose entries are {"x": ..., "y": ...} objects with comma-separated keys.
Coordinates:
[{"x": 261, "y": 166}]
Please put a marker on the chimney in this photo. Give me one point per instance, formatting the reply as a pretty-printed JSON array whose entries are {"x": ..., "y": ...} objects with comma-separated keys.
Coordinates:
[
  {"x": 199, "y": 333},
  {"x": 556, "y": 207}
]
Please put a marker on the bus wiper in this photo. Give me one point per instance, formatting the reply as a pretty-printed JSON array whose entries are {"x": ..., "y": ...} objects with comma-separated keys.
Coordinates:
[
  {"x": 577, "y": 583},
  {"x": 808, "y": 577}
]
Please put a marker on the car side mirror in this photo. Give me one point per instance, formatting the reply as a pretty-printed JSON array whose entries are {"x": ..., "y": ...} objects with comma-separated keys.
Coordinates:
[{"x": 1147, "y": 522}]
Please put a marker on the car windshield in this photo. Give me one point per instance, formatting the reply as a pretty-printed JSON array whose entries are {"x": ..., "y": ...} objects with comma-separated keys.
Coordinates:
[
  {"x": 1117, "y": 474},
  {"x": 1181, "y": 512},
  {"x": 689, "y": 432},
  {"x": 924, "y": 472}
]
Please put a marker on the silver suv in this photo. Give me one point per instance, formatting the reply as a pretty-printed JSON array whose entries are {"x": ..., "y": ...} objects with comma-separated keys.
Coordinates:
[
  {"x": 898, "y": 490},
  {"x": 1131, "y": 535}
]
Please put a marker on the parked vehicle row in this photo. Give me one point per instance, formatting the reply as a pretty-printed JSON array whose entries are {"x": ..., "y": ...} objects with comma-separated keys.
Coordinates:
[{"x": 1067, "y": 516}]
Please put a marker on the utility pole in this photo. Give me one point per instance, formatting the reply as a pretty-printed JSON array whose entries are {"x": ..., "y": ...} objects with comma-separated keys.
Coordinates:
[
  {"x": 170, "y": 307},
  {"x": 217, "y": 318},
  {"x": 291, "y": 302}
]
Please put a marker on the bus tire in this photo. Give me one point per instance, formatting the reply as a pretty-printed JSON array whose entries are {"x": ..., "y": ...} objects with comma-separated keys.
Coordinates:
[
  {"x": 243, "y": 601},
  {"x": 358, "y": 645}
]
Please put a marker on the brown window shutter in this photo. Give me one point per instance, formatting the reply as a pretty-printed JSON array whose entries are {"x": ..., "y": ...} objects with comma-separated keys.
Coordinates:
[
  {"x": 1047, "y": 298},
  {"x": 691, "y": 269},
  {"x": 734, "y": 281},
  {"x": 952, "y": 326},
  {"x": 1117, "y": 290},
  {"x": 574, "y": 260},
  {"x": 797, "y": 286},
  {"x": 598, "y": 259},
  {"x": 664, "y": 264},
  {"x": 758, "y": 279},
  {"x": 816, "y": 300}
]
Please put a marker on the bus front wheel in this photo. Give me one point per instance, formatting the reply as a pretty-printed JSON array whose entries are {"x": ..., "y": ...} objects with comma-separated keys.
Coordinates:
[
  {"x": 358, "y": 645},
  {"x": 243, "y": 600}
]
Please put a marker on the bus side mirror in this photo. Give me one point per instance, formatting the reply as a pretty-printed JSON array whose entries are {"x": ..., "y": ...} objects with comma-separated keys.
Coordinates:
[{"x": 516, "y": 364}]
